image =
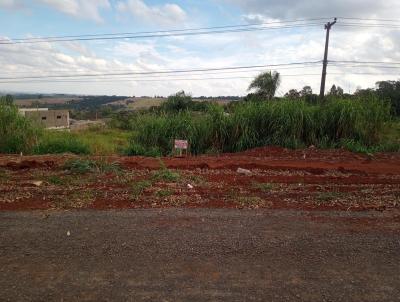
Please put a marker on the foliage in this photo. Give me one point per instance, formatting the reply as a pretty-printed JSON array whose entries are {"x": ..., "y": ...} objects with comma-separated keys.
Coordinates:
[
  {"x": 385, "y": 90},
  {"x": 135, "y": 149},
  {"x": 286, "y": 123},
  {"x": 139, "y": 187},
  {"x": 292, "y": 94},
  {"x": 264, "y": 187},
  {"x": 165, "y": 174},
  {"x": 164, "y": 193},
  {"x": 55, "y": 180},
  {"x": 6, "y": 100},
  {"x": 182, "y": 102},
  {"x": 105, "y": 166},
  {"x": 17, "y": 134},
  {"x": 336, "y": 91},
  {"x": 80, "y": 166},
  {"x": 103, "y": 140},
  {"x": 177, "y": 102},
  {"x": 390, "y": 90},
  {"x": 306, "y": 91},
  {"x": 266, "y": 84},
  {"x": 57, "y": 142}
]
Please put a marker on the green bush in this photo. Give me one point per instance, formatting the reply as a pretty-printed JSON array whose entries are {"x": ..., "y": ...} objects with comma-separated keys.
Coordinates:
[
  {"x": 54, "y": 142},
  {"x": 17, "y": 134}
]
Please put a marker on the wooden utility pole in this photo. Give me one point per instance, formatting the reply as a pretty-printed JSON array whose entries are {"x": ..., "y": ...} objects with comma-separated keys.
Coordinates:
[{"x": 328, "y": 27}]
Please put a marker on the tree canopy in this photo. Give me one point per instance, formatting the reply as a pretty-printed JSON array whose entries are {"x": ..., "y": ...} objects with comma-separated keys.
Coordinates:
[{"x": 266, "y": 84}]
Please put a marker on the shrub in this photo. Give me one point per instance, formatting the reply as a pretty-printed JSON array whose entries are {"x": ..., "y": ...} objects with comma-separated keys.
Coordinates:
[
  {"x": 177, "y": 102},
  {"x": 17, "y": 133}
]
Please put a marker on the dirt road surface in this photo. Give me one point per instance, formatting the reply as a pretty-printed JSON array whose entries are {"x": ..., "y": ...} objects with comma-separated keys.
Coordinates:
[{"x": 199, "y": 255}]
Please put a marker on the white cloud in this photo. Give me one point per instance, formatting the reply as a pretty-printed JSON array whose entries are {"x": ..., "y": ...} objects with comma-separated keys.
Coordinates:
[
  {"x": 294, "y": 9},
  {"x": 85, "y": 9},
  {"x": 257, "y": 19},
  {"x": 11, "y": 4},
  {"x": 166, "y": 14},
  {"x": 211, "y": 51}
]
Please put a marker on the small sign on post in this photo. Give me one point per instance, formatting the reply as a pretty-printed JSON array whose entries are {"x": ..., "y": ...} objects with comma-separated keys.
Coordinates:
[{"x": 180, "y": 146}]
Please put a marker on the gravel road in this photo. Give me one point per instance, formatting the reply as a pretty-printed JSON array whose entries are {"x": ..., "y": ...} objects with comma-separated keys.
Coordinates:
[{"x": 199, "y": 255}]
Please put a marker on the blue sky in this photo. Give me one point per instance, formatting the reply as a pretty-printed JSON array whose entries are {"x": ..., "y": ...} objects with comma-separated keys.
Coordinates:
[{"x": 41, "y": 18}]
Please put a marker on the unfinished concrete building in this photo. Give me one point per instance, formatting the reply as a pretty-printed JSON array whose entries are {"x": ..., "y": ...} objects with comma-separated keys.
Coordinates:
[{"x": 50, "y": 119}]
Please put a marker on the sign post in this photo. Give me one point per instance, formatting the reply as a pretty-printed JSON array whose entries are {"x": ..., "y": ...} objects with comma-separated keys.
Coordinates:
[{"x": 180, "y": 146}]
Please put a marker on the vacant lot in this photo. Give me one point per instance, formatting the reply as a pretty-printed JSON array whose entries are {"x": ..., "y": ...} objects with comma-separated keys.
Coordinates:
[{"x": 274, "y": 178}]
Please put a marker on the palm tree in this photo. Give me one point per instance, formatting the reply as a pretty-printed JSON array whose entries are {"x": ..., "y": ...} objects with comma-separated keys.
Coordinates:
[{"x": 266, "y": 84}]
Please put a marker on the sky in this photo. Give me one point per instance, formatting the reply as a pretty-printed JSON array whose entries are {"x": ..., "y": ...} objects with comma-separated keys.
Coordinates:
[{"x": 21, "y": 19}]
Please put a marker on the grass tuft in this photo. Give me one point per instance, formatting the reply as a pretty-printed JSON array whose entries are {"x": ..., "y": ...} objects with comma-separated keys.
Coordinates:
[
  {"x": 164, "y": 193},
  {"x": 165, "y": 174},
  {"x": 264, "y": 187},
  {"x": 139, "y": 187}
]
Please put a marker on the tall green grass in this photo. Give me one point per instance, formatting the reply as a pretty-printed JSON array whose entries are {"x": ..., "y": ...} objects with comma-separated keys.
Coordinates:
[
  {"x": 252, "y": 124},
  {"x": 96, "y": 141},
  {"x": 57, "y": 142},
  {"x": 17, "y": 134}
]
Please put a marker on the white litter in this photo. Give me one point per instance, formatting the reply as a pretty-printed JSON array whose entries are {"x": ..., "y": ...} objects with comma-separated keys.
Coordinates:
[
  {"x": 68, "y": 233},
  {"x": 37, "y": 183},
  {"x": 243, "y": 171},
  {"x": 189, "y": 186}
]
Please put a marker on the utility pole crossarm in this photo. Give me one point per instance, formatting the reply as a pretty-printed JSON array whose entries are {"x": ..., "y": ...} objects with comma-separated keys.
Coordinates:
[{"x": 328, "y": 27}]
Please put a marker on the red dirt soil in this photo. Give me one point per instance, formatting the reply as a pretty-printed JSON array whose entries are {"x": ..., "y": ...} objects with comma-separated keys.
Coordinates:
[{"x": 297, "y": 179}]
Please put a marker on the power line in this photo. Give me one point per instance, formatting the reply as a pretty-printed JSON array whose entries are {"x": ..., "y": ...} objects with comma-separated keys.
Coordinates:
[
  {"x": 164, "y": 31},
  {"x": 335, "y": 64},
  {"x": 366, "y": 25},
  {"x": 160, "y": 72},
  {"x": 196, "y": 72},
  {"x": 363, "y": 62},
  {"x": 369, "y": 19},
  {"x": 196, "y": 31},
  {"x": 224, "y": 70},
  {"x": 163, "y": 35},
  {"x": 179, "y": 79}
]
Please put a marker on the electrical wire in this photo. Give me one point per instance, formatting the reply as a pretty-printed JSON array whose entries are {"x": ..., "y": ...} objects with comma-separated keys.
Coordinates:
[
  {"x": 182, "y": 79},
  {"x": 165, "y": 31},
  {"x": 163, "y": 35},
  {"x": 162, "y": 72}
]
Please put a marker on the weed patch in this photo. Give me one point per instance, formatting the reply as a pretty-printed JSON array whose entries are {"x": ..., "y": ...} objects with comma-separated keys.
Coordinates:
[
  {"x": 55, "y": 180},
  {"x": 79, "y": 166},
  {"x": 139, "y": 187},
  {"x": 164, "y": 193},
  {"x": 165, "y": 174},
  {"x": 82, "y": 166},
  {"x": 264, "y": 187}
]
